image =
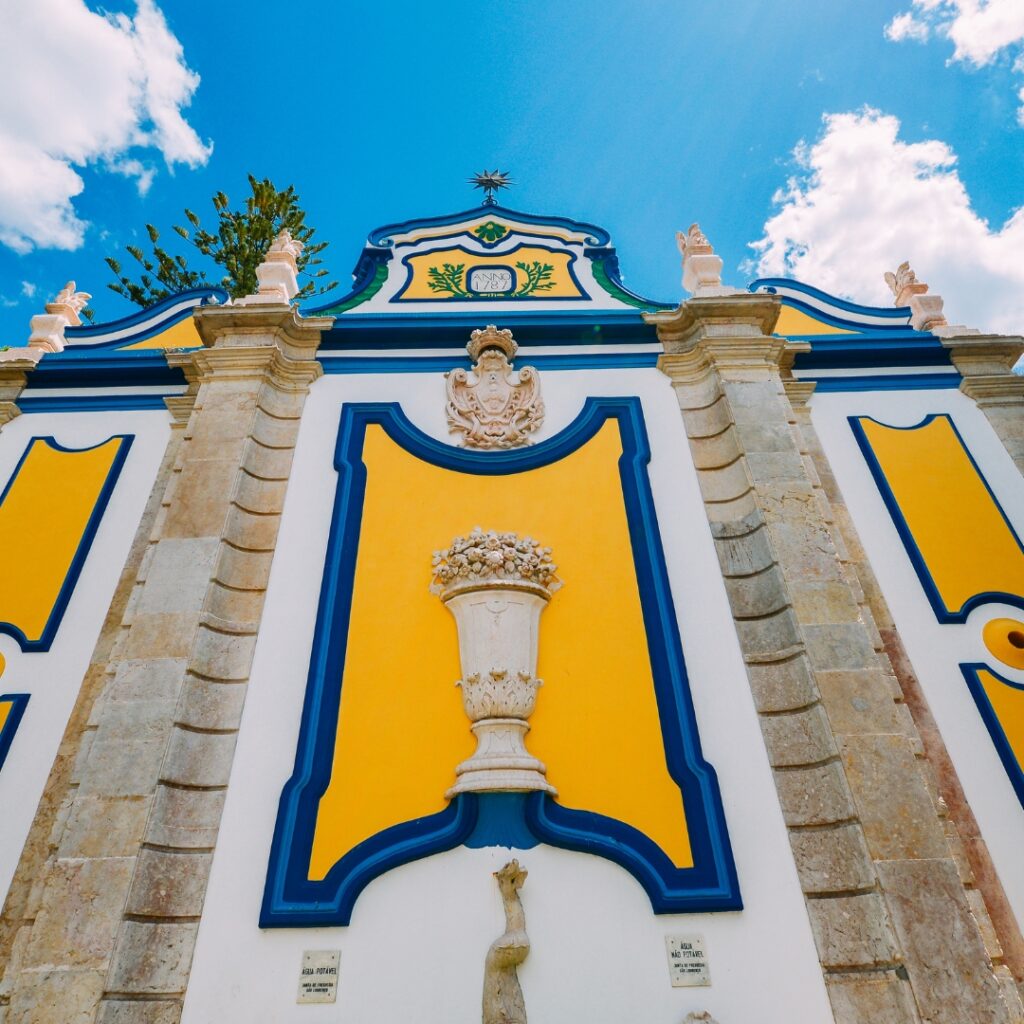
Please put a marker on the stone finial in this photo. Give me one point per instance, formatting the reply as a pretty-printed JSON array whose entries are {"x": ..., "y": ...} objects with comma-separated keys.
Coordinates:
[
  {"x": 496, "y": 585},
  {"x": 278, "y": 274},
  {"x": 925, "y": 309},
  {"x": 69, "y": 303},
  {"x": 493, "y": 405},
  {"x": 702, "y": 269},
  {"x": 47, "y": 329},
  {"x": 503, "y": 1001}
]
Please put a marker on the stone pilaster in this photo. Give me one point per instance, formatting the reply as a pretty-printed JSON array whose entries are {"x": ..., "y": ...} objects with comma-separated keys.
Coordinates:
[
  {"x": 985, "y": 362},
  {"x": 893, "y": 926},
  {"x": 120, "y": 903},
  {"x": 13, "y": 378},
  {"x": 1003, "y": 940}
]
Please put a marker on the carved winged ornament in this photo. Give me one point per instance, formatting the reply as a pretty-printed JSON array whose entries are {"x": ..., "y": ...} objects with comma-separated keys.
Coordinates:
[{"x": 493, "y": 405}]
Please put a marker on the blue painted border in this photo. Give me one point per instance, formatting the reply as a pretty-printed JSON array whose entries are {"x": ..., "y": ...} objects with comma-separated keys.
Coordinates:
[
  {"x": 496, "y": 297},
  {"x": 441, "y": 364},
  {"x": 995, "y": 730},
  {"x": 942, "y": 612},
  {"x": 19, "y": 701},
  {"x": 82, "y": 552},
  {"x": 142, "y": 317},
  {"x": 290, "y": 899},
  {"x": 888, "y": 382},
  {"x": 772, "y": 284},
  {"x": 89, "y": 403},
  {"x": 385, "y": 235}
]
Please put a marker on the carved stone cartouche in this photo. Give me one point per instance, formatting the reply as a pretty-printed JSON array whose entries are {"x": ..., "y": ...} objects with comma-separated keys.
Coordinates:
[
  {"x": 492, "y": 405},
  {"x": 496, "y": 585},
  {"x": 503, "y": 996}
]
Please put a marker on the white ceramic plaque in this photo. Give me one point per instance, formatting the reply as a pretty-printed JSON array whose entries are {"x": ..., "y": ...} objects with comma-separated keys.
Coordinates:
[
  {"x": 318, "y": 981},
  {"x": 687, "y": 961}
]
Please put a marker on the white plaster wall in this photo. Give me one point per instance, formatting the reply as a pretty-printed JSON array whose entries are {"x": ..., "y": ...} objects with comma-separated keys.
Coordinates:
[
  {"x": 53, "y": 677},
  {"x": 936, "y": 650},
  {"x": 416, "y": 945}
]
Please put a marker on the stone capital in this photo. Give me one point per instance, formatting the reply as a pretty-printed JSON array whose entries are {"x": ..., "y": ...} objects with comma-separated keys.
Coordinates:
[
  {"x": 15, "y": 365},
  {"x": 730, "y": 333},
  {"x": 986, "y": 362},
  {"x": 269, "y": 325}
]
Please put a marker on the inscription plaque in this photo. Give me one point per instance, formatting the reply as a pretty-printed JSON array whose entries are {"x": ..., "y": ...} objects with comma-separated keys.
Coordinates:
[
  {"x": 687, "y": 961},
  {"x": 318, "y": 980}
]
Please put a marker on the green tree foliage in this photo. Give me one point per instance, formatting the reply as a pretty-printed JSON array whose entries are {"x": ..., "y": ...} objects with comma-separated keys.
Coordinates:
[{"x": 238, "y": 245}]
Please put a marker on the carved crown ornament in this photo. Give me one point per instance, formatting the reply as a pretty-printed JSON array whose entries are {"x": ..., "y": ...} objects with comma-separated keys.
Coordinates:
[{"x": 493, "y": 405}]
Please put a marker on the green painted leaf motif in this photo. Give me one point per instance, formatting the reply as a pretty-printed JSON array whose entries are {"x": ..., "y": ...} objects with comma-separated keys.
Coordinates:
[
  {"x": 490, "y": 231},
  {"x": 448, "y": 279}
]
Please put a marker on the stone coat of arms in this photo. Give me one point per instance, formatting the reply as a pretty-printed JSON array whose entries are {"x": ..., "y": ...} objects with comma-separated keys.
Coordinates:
[{"x": 493, "y": 405}]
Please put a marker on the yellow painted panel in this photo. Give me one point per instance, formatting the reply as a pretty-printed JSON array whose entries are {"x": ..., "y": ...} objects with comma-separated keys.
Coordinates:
[
  {"x": 6, "y": 706},
  {"x": 796, "y": 321},
  {"x": 183, "y": 334},
  {"x": 1008, "y": 705},
  {"x": 1005, "y": 639},
  {"x": 960, "y": 531},
  {"x": 43, "y": 517},
  {"x": 562, "y": 284},
  {"x": 402, "y": 729}
]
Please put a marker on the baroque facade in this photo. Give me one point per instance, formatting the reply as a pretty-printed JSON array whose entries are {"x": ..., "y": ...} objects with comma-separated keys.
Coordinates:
[{"x": 320, "y": 630}]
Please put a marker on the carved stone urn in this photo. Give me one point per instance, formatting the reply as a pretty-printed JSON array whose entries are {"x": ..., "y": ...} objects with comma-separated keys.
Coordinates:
[{"x": 496, "y": 585}]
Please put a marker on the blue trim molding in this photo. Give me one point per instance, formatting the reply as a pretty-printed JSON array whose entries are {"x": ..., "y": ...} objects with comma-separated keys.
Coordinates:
[
  {"x": 995, "y": 729},
  {"x": 291, "y": 899},
  {"x": 887, "y": 382},
  {"x": 18, "y": 701},
  {"x": 942, "y": 612},
  {"x": 60, "y": 605},
  {"x": 441, "y": 364},
  {"x": 771, "y": 285}
]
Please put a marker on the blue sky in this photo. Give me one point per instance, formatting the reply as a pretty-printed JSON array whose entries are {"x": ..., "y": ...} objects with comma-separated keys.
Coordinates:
[{"x": 641, "y": 117}]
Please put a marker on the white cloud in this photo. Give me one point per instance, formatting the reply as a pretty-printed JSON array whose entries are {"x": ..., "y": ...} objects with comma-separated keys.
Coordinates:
[
  {"x": 79, "y": 88},
  {"x": 864, "y": 200},
  {"x": 906, "y": 26},
  {"x": 980, "y": 30},
  {"x": 28, "y": 289}
]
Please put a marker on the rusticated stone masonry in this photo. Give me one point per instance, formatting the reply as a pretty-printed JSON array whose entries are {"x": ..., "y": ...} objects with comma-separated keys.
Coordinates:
[
  {"x": 895, "y": 932},
  {"x": 110, "y": 928},
  {"x": 985, "y": 893}
]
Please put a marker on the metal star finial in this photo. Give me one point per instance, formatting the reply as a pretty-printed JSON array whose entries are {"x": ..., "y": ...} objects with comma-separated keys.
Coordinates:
[{"x": 490, "y": 182}]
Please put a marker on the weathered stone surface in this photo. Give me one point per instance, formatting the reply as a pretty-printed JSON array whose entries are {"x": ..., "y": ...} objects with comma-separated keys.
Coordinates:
[
  {"x": 859, "y": 702},
  {"x": 169, "y": 884},
  {"x": 897, "y": 813},
  {"x": 761, "y": 594},
  {"x": 839, "y": 646},
  {"x": 852, "y": 931},
  {"x": 139, "y": 1011},
  {"x": 823, "y": 601},
  {"x": 81, "y": 907},
  {"x": 803, "y": 737},
  {"x": 152, "y": 958},
  {"x": 782, "y": 685},
  {"x": 769, "y": 635},
  {"x": 178, "y": 574},
  {"x": 197, "y": 508},
  {"x": 875, "y": 998},
  {"x": 832, "y": 860},
  {"x": 942, "y": 947},
  {"x": 199, "y": 759},
  {"x": 207, "y": 705},
  {"x": 186, "y": 818},
  {"x": 100, "y": 826},
  {"x": 147, "y": 679},
  {"x": 160, "y": 635},
  {"x": 726, "y": 483},
  {"x": 814, "y": 796},
  {"x": 226, "y": 656},
  {"x": 56, "y": 997}
]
